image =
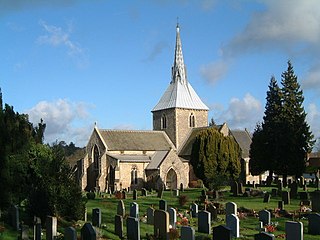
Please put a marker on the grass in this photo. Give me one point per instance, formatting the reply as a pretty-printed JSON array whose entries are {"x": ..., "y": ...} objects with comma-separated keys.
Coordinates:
[{"x": 248, "y": 224}]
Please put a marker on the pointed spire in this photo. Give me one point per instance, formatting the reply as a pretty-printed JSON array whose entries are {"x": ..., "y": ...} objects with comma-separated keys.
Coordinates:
[{"x": 178, "y": 68}]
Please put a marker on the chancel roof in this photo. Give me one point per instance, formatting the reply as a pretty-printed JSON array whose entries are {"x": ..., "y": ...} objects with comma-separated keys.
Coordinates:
[
  {"x": 244, "y": 140},
  {"x": 180, "y": 93}
]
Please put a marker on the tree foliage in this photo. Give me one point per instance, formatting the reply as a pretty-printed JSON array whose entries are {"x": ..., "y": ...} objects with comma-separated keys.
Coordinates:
[{"x": 215, "y": 157}]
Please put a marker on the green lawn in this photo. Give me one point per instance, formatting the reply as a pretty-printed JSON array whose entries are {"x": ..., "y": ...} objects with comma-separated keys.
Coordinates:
[{"x": 248, "y": 224}]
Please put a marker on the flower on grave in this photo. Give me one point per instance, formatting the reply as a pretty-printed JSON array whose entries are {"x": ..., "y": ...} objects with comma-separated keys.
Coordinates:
[{"x": 272, "y": 227}]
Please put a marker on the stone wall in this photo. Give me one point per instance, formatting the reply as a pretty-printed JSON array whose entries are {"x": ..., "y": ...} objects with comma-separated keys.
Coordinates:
[{"x": 125, "y": 169}]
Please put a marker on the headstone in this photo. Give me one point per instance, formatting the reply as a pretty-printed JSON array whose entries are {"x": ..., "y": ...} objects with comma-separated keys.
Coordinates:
[
  {"x": 235, "y": 189},
  {"x": 85, "y": 214},
  {"x": 231, "y": 208},
  {"x": 70, "y": 233},
  {"x": 294, "y": 230},
  {"x": 265, "y": 217},
  {"x": 240, "y": 188},
  {"x": 118, "y": 225},
  {"x": 160, "y": 192},
  {"x": 134, "y": 210},
  {"x": 96, "y": 217},
  {"x": 172, "y": 217},
  {"x": 253, "y": 184},
  {"x": 133, "y": 228},
  {"x": 204, "y": 222},
  {"x": 266, "y": 197},
  {"x": 134, "y": 194},
  {"x": 314, "y": 223},
  {"x": 213, "y": 210},
  {"x": 161, "y": 226},
  {"x": 121, "y": 209},
  {"x": 194, "y": 210},
  {"x": 124, "y": 194},
  {"x": 88, "y": 232},
  {"x": 294, "y": 190},
  {"x": 144, "y": 192},
  {"x": 274, "y": 192},
  {"x": 281, "y": 205},
  {"x": 163, "y": 205},
  {"x": 14, "y": 217},
  {"x": 315, "y": 199},
  {"x": 304, "y": 187},
  {"x": 24, "y": 232},
  {"x": 51, "y": 228},
  {"x": 181, "y": 187},
  {"x": 280, "y": 186},
  {"x": 232, "y": 222},
  {"x": 187, "y": 233},
  {"x": 264, "y": 236},
  {"x": 176, "y": 192},
  {"x": 222, "y": 232},
  {"x": 302, "y": 181},
  {"x": 37, "y": 228},
  {"x": 150, "y": 215},
  {"x": 286, "y": 197},
  {"x": 304, "y": 195}
]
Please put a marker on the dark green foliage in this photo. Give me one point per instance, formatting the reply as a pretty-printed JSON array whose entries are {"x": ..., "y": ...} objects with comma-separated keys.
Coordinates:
[
  {"x": 215, "y": 157},
  {"x": 91, "y": 195}
]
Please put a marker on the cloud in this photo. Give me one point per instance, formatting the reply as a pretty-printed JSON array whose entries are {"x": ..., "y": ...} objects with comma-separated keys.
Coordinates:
[
  {"x": 313, "y": 118},
  {"x": 61, "y": 118},
  {"x": 242, "y": 113},
  {"x": 312, "y": 79},
  {"x": 214, "y": 71},
  {"x": 157, "y": 50},
  {"x": 124, "y": 127}
]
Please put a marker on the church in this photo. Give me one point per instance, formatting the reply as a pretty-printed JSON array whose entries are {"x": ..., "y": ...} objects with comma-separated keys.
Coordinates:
[{"x": 118, "y": 159}]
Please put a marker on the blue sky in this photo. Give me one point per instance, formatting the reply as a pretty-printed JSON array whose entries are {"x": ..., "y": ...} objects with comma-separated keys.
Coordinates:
[{"x": 74, "y": 63}]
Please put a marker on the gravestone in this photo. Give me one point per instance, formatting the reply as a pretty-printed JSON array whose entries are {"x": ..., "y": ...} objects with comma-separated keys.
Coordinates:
[
  {"x": 294, "y": 190},
  {"x": 281, "y": 205},
  {"x": 37, "y": 228},
  {"x": 274, "y": 192},
  {"x": 294, "y": 230},
  {"x": 194, "y": 210},
  {"x": 204, "y": 222},
  {"x": 213, "y": 210},
  {"x": 161, "y": 225},
  {"x": 286, "y": 197},
  {"x": 315, "y": 199},
  {"x": 231, "y": 208},
  {"x": 187, "y": 233},
  {"x": 160, "y": 192},
  {"x": 302, "y": 181},
  {"x": 133, "y": 228},
  {"x": 176, "y": 192},
  {"x": 235, "y": 189},
  {"x": 232, "y": 222},
  {"x": 88, "y": 232},
  {"x": 163, "y": 205},
  {"x": 121, "y": 209},
  {"x": 280, "y": 186},
  {"x": 14, "y": 217},
  {"x": 221, "y": 233},
  {"x": 134, "y": 210},
  {"x": 172, "y": 217},
  {"x": 314, "y": 223},
  {"x": 96, "y": 217},
  {"x": 118, "y": 225},
  {"x": 240, "y": 188},
  {"x": 24, "y": 232},
  {"x": 181, "y": 187},
  {"x": 70, "y": 233},
  {"x": 134, "y": 194},
  {"x": 264, "y": 236},
  {"x": 85, "y": 214},
  {"x": 124, "y": 194},
  {"x": 304, "y": 195},
  {"x": 150, "y": 215},
  {"x": 266, "y": 197},
  {"x": 51, "y": 228},
  {"x": 265, "y": 217},
  {"x": 144, "y": 192}
]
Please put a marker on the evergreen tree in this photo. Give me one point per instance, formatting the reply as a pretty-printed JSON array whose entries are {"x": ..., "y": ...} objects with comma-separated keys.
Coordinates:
[{"x": 258, "y": 161}]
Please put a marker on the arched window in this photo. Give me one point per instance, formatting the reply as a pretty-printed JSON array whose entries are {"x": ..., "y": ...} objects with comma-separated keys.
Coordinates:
[
  {"x": 163, "y": 121},
  {"x": 96, "y": 158},
  {"x": 134, "y": 175},
  {"x": 192, "y": 122}
]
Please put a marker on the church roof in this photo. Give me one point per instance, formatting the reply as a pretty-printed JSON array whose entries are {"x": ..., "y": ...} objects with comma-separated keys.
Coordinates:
[
  {"x": 133, "y": 140},
  {"x": 244, "y": 140},
  {"x": 180, "y": 93}
]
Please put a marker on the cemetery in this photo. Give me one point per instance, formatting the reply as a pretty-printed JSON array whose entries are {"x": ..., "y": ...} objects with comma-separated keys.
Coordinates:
[{"x": 251, "y": 211}]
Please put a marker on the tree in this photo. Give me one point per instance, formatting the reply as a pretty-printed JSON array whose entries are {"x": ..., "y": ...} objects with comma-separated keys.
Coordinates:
[{"x": 215, "y": 157}]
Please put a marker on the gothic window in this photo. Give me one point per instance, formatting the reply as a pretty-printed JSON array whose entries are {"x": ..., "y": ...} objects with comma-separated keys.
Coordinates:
[
  {"x": 134, "y": 175},
  {"x": 163, "y": 121},
  {"x": 96, "y": 158},
  {"x": 192, "y": 122}
]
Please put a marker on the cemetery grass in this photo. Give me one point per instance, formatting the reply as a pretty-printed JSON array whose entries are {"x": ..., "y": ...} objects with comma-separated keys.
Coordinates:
[{"x": 248, "y": 224}]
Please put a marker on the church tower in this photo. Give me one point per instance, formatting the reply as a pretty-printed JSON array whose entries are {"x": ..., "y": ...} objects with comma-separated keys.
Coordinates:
[{"x": 179, "y": 109}]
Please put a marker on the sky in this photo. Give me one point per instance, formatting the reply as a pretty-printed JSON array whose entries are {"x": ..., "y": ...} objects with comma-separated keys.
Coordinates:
[{"x": 77, "y": 63}]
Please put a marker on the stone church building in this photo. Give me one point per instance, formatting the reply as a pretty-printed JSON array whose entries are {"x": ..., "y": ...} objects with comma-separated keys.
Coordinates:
[{"x": 117, "y": 159}]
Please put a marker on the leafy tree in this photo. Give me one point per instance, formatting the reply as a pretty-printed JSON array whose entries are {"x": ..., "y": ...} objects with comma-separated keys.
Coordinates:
[
  {"x": 212, "y": 122},
  {"x": 215, "y": 157}
]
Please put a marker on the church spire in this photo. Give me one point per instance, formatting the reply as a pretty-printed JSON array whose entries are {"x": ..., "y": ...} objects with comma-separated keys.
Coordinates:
[{"x": 178, "y": 68}]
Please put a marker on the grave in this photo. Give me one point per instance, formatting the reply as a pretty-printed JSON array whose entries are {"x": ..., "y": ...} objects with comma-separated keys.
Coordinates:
[
  {"x": 181, "y": 187},
  {"x": 134, "y": 210},
  {"x": 314, "y": 223},
  {"x": 134, "y": 194},
  {"x": 51, "y": 228},
  {"x": 294, "y": 190},
  {"x": 172, "y": 217},
  {"x": 194, "y": 210},
  {"x": 213, "y": 210},
  {"x": 24, "y": 232},
  {"x": 265, "y": 217},
  {"x": 294, "y": 230},
  {"x": 187, "y": 233},
  {"x": 266, "y": 197},
  {"x": 264, "y": 236},
  {"x": 118, "y": 225},
  {"x": 304, "y": 195},
  {"x": 315, "y": 199},
  {"x": 150, "y": 215},
  {"x": 133, "y": 228},
  {"x": 163, "y": 205},
  {"x": 14, "y": 217},
  {"x": 144, "y": 192},
  {"x": 176, "y": 192},
  {"x": 231, "y": 208},
  {"x": 70, "y": 233},
  {"x": 161, "y": 226},
  {"x": 204, "y": 222},
  {"x": 281, "y": 205},
  {"x": 285, "y": 197},
  {"x": 221, "y": 232},
  {"x": 96, "y": 217},
  {"x": 37, "y": 228},
  {"x": 124, "y": 194},
  {"x": 121, "y": 209},
  {"x": 232, "y": 222},
  {"x": 88, "y": 232}
]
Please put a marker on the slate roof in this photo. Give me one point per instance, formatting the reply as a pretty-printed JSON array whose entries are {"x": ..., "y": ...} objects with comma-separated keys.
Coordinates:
[
  {"x": 156, "y": 160},
  {"x": 132, "y": 140},
  {"x": 243, "y": 138}
]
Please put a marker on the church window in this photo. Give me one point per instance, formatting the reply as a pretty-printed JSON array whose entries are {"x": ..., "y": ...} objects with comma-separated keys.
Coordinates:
[
  {"x": 192, "y": 122},
  {"x": 96, "y": 158},
  {"x": 163, "y": 121},
  {"x": 134, "y": 176}
]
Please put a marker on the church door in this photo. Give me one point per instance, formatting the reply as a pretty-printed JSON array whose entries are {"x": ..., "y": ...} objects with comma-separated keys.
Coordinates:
[{"x": 171, "y": 180}]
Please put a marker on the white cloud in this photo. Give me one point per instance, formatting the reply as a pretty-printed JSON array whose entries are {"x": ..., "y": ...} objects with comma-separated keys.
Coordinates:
[
  {"x": 61, "y": 118},
  {"x": 312, "y": 80},
  {"x": 313, "y": 118},
  {"x": 242, "y": 113},
  {"x": 214, "y": 71}
]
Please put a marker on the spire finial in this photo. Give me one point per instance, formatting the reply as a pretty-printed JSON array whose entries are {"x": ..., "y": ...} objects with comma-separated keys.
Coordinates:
[{"x": 177, "y": 22}]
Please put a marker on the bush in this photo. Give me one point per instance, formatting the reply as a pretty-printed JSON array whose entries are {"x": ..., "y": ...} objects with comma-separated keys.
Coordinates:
[
  {"x": 91, "y": 195},
  {"x": 196, "y": 184},
  {"x": 183, "y": 199}
]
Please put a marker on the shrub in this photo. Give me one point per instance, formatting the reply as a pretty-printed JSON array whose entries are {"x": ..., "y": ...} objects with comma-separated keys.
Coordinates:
[
  {"x": 118, "y": 195},
  {"x": 183, "y": 199},
  {"x": 91, "y": 195}
]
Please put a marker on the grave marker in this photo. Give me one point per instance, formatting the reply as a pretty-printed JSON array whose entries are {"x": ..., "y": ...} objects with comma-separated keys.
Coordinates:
[
  {"x": 88, "y": 232},
  {"x": 204, "y": 222},
  {"x": 294, "y": 230},
  {"x": 314, "y": 223},
  {"x": 134, "y": 210},
  {"x": 232, "y": 222},
  {"x": 121, "y": 209},
  {"x": 194, "y": 210},
  {"x": 51, "y": 228},
  {"x": 161, "y": 226},
  {"x": 96, "y": 217},
  {"x": 150, "y": 215},
  {"x": 187, "y": 233},
  {"x": 70, "y": 233},
  {"x": 172, "y": 217},
  {"x": 222, "y": 232},
  {"x": 264, "y": 236},
  {"x": 118, "y": 225},
  {"x": 265, "y": 217},
  {"x": 231, "y": 208}
]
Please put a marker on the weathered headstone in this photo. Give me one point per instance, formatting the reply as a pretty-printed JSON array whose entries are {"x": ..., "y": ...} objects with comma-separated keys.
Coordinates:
[
  {"x": 302, "y": 181},
  {"x": 160, "y": 192},
  {"x": 213, "y": 210},
  {"x": 163, "y": 205},
  {"x": 231, "y": 208},
  {"x": 314, "y": 223},
  {"x": 232, "y": 222},
  {"x": 96, "y": 217},
  {"x": 266, "y": 197},
  {"x": 150, "y": 215},
  {"x": 280, "y": 186},
  {"x": 294, "y": 190},
  {"x": 234, "y": 189},
  {"x": 294, "y": 230},
  {"x": 204, "y": 222},
  {"x": 70, "y": 233},
  {"x": 37, "y": 228},
  {"x": 14, "y": 217},
  {"x": 134, "y": 210},
  {"x": 286, "y": 197},
  {"x": 24, "y": 232},
  {"x": 172, "y": 217},
  {"x": 88, "y": 232},
  {"x": 281, "y": 205},
  {"x": 194, "y": 210},
  {"x": 133, "y": 228},
  {"x": 264, "y": 236},
  {"x": 315, "y": 199},
  {"x": 118, "y": 225},
  {"x": 121, "y": 209},
  {"x": 187, "y": 233},
  {"x": 222, "y": 232},
  {"x": 134, "y": 194},
  {"x": 51, "y": 228},
  {"x": 265, "y": 217},
  {"x": 144, "y": 192},
  {"x": 161, "y": 226}
]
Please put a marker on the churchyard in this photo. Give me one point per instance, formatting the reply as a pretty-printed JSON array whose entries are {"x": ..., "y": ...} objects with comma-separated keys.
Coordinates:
[{"x": 190, "y": 213}]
